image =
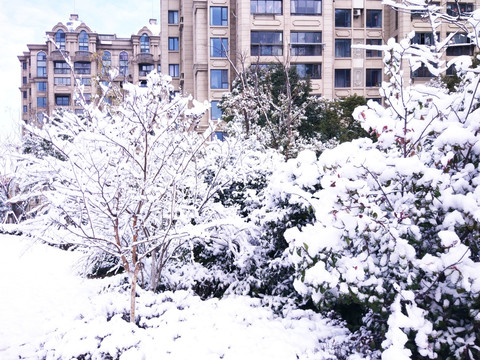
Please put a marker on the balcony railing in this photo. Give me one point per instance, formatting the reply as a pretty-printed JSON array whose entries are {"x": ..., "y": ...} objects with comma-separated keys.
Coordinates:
[
  {"x": 145, "y": 58},
  {"x": 57, "y": 55},
  {"x": 83, "y": 55}
]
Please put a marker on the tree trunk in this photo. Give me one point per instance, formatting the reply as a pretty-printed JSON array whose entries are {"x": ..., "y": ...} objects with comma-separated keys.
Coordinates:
[{"x": 133, "y": 292}]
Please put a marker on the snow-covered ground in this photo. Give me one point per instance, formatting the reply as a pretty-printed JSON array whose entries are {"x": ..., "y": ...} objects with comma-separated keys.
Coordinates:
[{"x": 49, "y": 312}]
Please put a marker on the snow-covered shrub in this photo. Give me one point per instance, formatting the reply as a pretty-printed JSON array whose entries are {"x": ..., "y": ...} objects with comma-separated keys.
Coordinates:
[{"x": 396, "y": 221}]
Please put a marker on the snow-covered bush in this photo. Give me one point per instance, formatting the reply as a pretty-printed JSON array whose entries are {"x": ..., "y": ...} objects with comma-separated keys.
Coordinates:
[
  {"x": 396, "y": 221},
  {"x": 134, "y": 183}
]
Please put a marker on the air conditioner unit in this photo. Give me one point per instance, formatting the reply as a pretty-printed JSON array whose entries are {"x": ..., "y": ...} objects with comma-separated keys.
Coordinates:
[{"x": 357, "y": 12}]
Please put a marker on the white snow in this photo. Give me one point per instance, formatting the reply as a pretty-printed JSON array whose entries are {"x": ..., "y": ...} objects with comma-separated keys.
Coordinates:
[{"x": 47, "y": 311}]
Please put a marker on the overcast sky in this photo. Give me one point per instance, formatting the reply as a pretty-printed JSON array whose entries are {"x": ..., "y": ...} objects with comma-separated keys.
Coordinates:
[{"x": 25, "y": 22}]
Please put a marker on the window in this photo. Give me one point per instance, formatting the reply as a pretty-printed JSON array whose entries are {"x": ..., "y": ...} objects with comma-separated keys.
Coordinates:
[
  {"x": 343, "y": 18},
  {"x": 61, "y": 67},
  {"x": 41, "y": 64},
  {"x": 374, "y": 18},
  {"x": 306, "y": 43},
  {"x": 85, "y": 81},
  {"x": 62, "y": 81},
  {"x": 174, "y": 70},
  {"x": 306, "y": 7},
  {"x": 373, "y": 77},
  {"x": 25, "y": 108},
  {"x": 456, "y": 9},
  {"x": 24, "y": 94},
  {"x": 24, "y": 65},
  {"x": 106, "y": 62},
  {"x": 422, "y": 71},
  {"x": 267, "y": 43},
  {"x": 41, "y": 102},
  {"x": 159, "y": 68},
  {"x": 312, "y": 71},
  {"x": 219, "y": 15},
  {"x": 123, "y": 58},
  {"x": 86, "y": 97},
  {"x": 81, "y": 67},
  {"x": 215, "y": 112},
  {"x": 218, "y": 47},
  {"x": 173, "y": 44},
  {"x": 83, "y": 41},
  {"x": 24, "y": 80},
  {"x": 422, "y": 13},
  {"x": 423, "y": 38},
  {"x": 369, "y": 53},
  {"x": 143, "y": 83},
  {"x": 219, "y": 79},
  {"x": 145, "y": 44},
  {"x": 343, "y": 47},
  {"x": 145, "y": 69},
  {"x": 219, "y": 135},
  {"x": 460, "y": 44},
  {"x": 266, "y": 6},
  {"x": 342, "y": 78},
  {"x": 60, "y": 39},
  {"x": 62, "y": 100},
  {"x": 42, "y": 86},
  {"x": 172, "y": 16},
  {"x": 79, "y": 112}
]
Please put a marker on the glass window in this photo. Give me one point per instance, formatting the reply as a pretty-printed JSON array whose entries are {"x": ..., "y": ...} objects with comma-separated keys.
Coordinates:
[
  {"x": 219, "y": 135},
  {"x": 215, "y": 112},
  {"x": 159, "y": 68},
  {"x": 219, "y": 79},
  {"x": 458, "y": 8},
  {"x": 42, "y": 86},
  {"x": 373, "y": 53},
  {"x": 106, "y": 62},
  {"x": 172, "y": 16},
  {"x": 24, "y": 80},
  {"x": 422, "y": 13},
  {"x": 24, "y": 94},
  {"x": 85, "y": 81},
  {"x": 373, "y": 77},
  {"x": 266, "y": 43},
  {"x": 174, "y": 70},
  {"x": 342, "y": 78},
  {"x": 306, "y": 43},
  {"x": 343, "y": 47},
  {"x": 41, "y": 64},
  {"x": 343, "y": 18},
  {"x": 173, "y": 44},
  {"x": 218, "y": 47},
  {"x": 41, "y": 102},
  {"x": 24, "y": 65},
  {"x": 145, "y": 44},
  {"x": 25, "y": 108},
  {"x": 83, "y": 41},
  {"x": 423, "y": 38},
  {"x": 219, "y": 15},
  {"x": 81, "y": 67},
  {"x": 374, "y": 18},
  {"x": 306, "y": 7},
  {"x": 123, "y": 62},
  {"x": 266, "y": 6},
  {"x": 86, "y": 97},
  {"x": 145, "y": 69},
  {"x": 460, "y": 44},
  {"x": 422, "y": 71},
  {"x": 61, "y": 67},
  {"x": 62, "y": 100},
  {"x": 60, "y": 39},
  {"x": 312, "y": 71},
  {"x": 62, "y": 81}
]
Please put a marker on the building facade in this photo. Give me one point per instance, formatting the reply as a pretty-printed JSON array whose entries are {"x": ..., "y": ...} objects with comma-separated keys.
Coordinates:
[{"x": 202, "y": 44}]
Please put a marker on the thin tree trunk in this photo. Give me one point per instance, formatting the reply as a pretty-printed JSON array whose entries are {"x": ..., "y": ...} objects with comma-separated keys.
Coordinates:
[{"x": 133, "y": 292}]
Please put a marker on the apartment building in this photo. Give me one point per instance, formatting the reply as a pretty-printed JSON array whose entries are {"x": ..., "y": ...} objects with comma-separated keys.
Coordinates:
[{"x": 201, "y": 44}]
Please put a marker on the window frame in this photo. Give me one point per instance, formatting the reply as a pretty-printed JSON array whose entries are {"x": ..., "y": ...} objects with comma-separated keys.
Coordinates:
[
  {"x": 123, "y": 63},
  {"x": 81, "y": 68},
  {"x": 145, "y": 44},
  {"x": 218, "y": 111},
  {"x": 270, "y": 7},
  {"x": 173, "y": 43},
  {"x": 63, "y": 69},
  {"x": 60, "y": 39},
  {"x": 369, "y": 23},
  {"x": 276, "y": 48},
  {"x": 62, "y": 81},
  {"x": 217, "y": 52},
  {"x": 347, "y": 79},
  {"x": 343, "y": 18},
  {"x": 41, "y": 101},
  {"x": 42, "y": 60},
  {"x": 344, "y": 51},
  {"x": 144, "y": 69},
  {"x": 222, "y": 78},
  {"x": 172, "y": 17},
  {"x": 314, "y": 5},
  {"x": 309, "y": 73},
  {"x": 83, "y": 41},
  {"x": 42, "y": 86},
  {"x": 369, "y": 53},
  {"x": 220, "y": 19},
  {"x": 174, "y": 70},
  {"x": 301, "y": 46},
  {"x": 61, "y": 98},
  {"x": 373, "y": 77}
]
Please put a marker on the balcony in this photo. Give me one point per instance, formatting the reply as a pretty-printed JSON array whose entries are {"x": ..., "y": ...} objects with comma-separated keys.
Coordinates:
[
  {"x": 59, "y": 55},
  {"x": 83, "y": 55},
  {"x": 145, "y": 58}
]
